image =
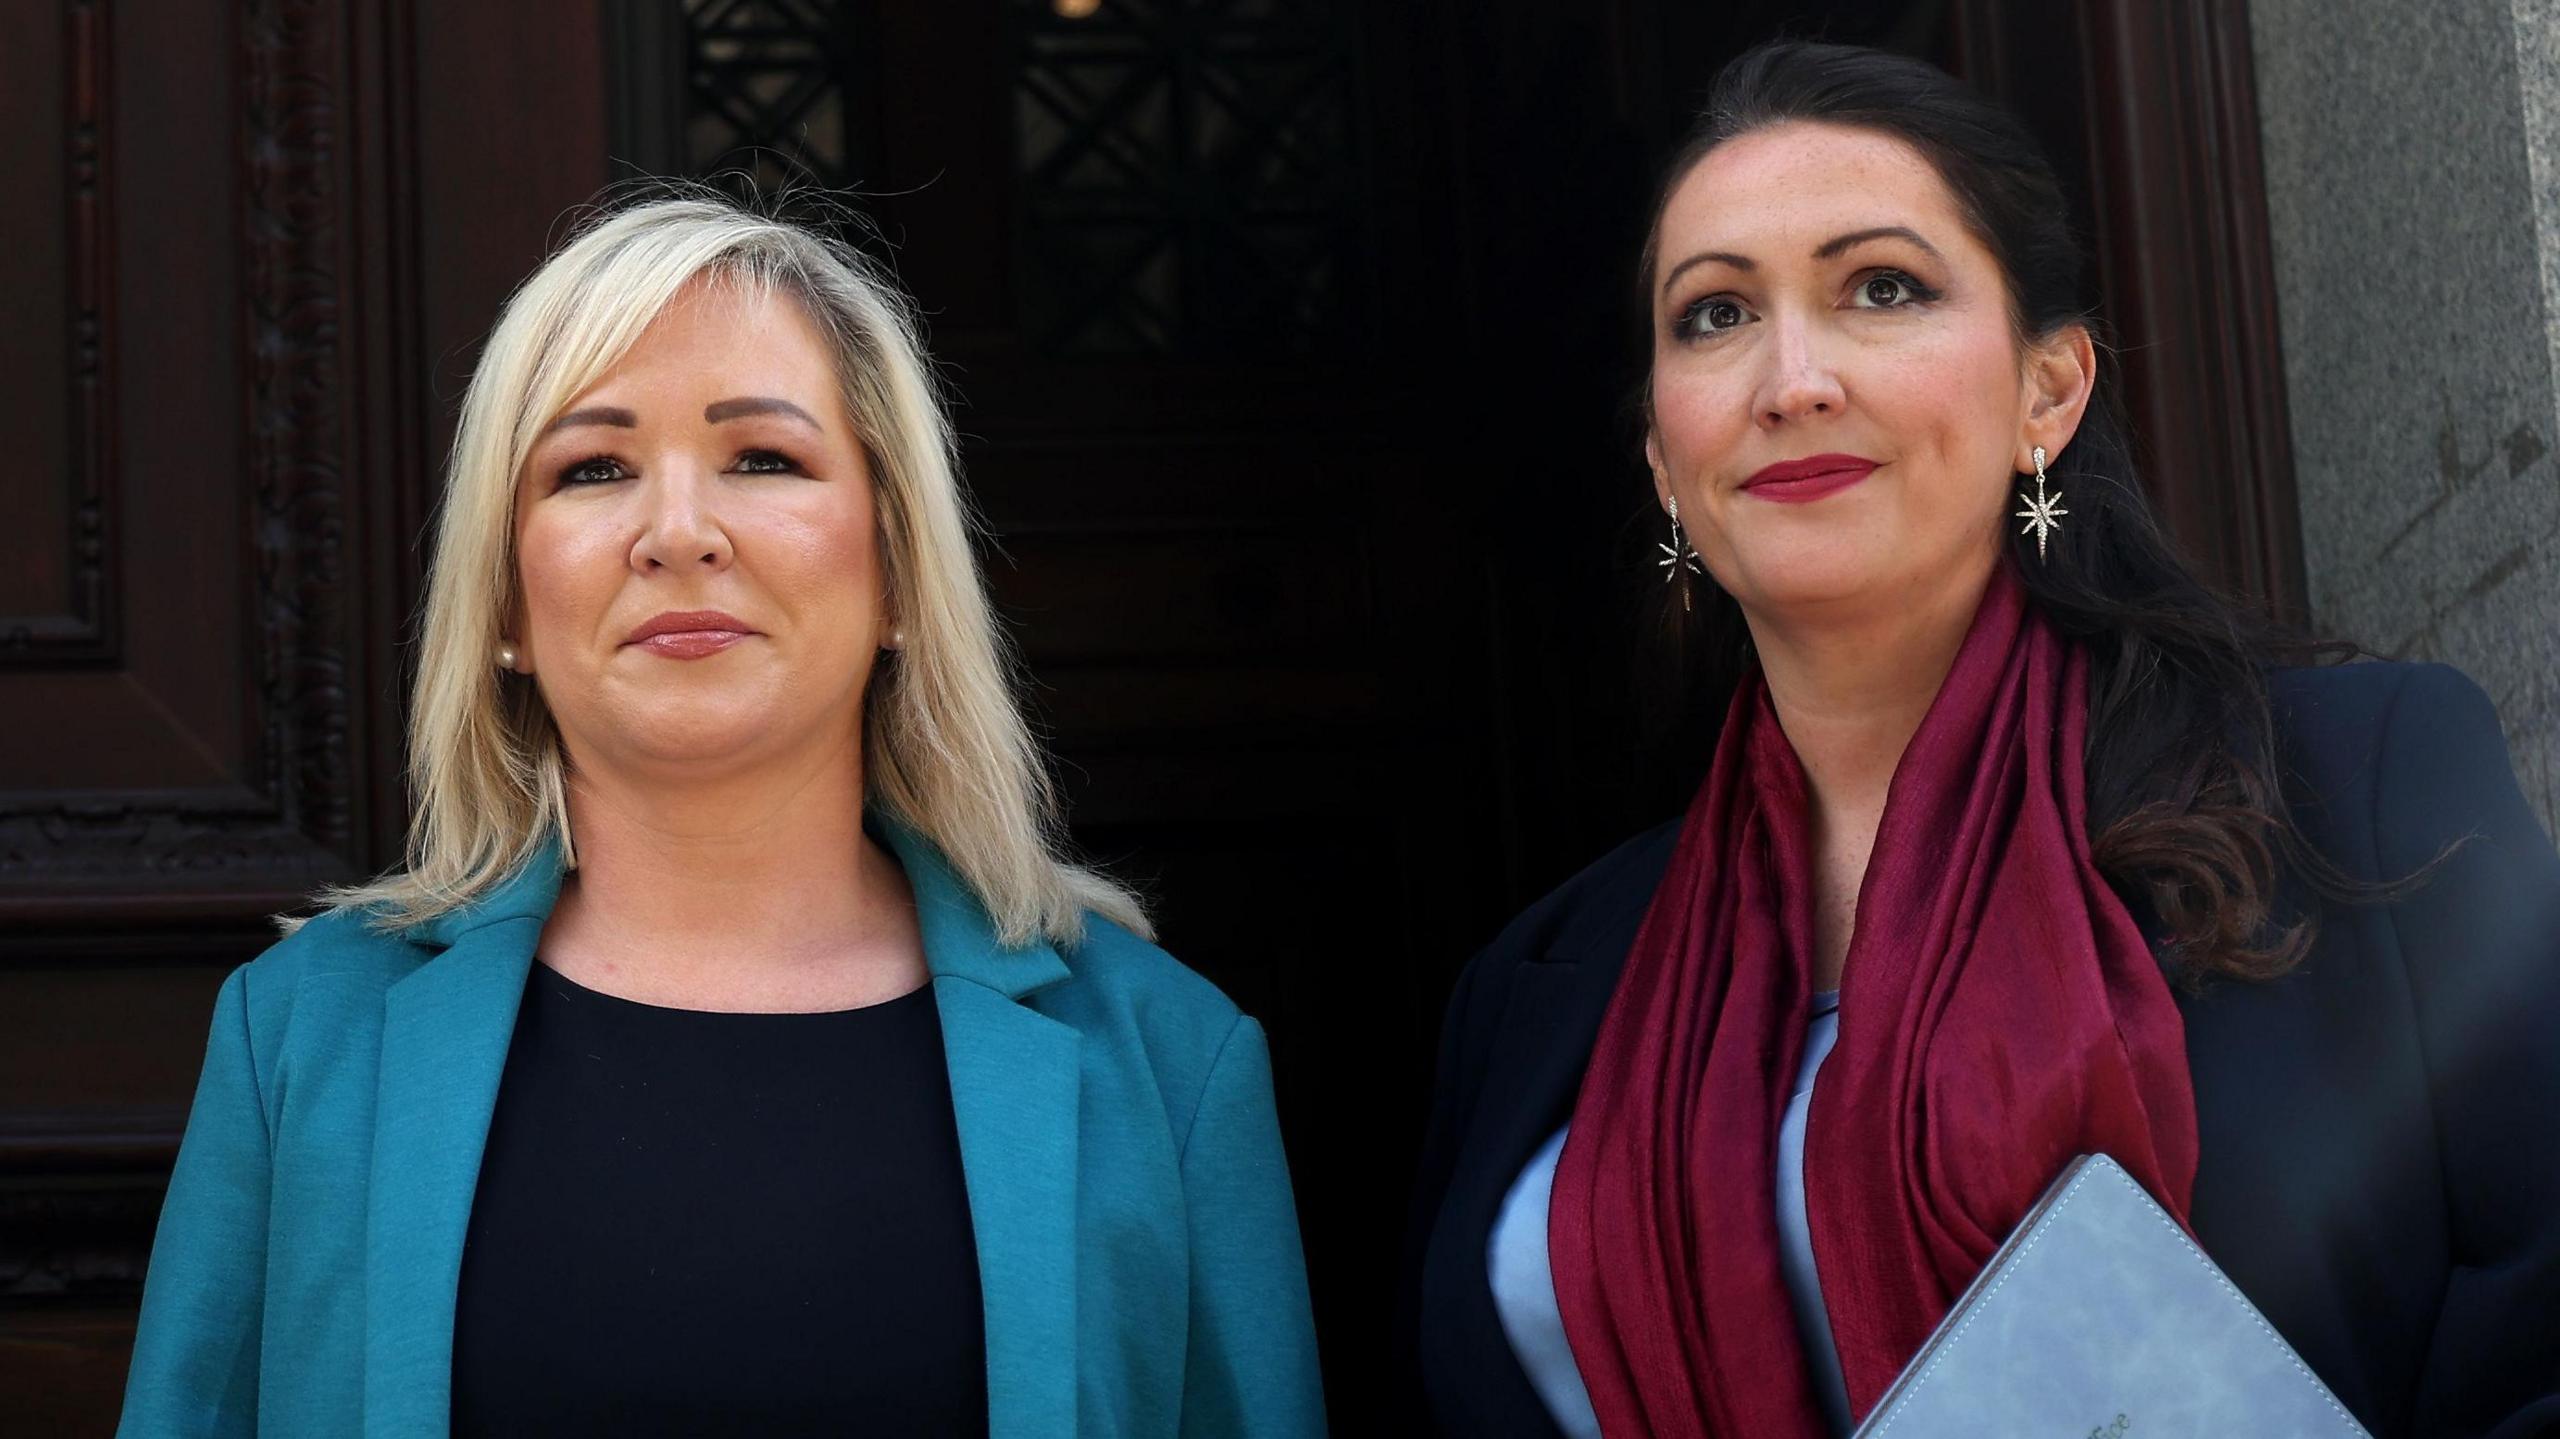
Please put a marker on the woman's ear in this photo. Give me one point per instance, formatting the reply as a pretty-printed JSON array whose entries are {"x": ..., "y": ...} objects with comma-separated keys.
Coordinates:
[
  {"x": 890, "y": 627},
  {"x": 2062, "y": 374},
  {"x": 511, "y": 636},
  {"x": 1653, "y": 462}
]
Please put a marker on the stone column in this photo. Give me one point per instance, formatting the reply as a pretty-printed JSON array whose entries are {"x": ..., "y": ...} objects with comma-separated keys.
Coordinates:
[{"x": 2412, "y": 157}]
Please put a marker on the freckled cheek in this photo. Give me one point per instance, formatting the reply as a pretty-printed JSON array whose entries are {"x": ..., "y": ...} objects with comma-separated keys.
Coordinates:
[
  {"x": 1953, "y": 411},
  {"x": 1698, "y": 418},
  {"x": 1955, "y": 380}
]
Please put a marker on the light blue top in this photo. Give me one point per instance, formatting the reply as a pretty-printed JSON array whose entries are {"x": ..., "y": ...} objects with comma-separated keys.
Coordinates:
[
  {"x": 1524, "y": 1290},
  {"x": 1137, "y": 1244}
]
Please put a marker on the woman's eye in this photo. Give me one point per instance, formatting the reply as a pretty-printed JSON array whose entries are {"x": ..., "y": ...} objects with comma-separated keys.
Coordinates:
[
  {"x": 767, "y": 462},
  {"x": 1713, "y": 316},
  {"x": 1891, "y": 290},
  {"x": 592, "y": 472}
]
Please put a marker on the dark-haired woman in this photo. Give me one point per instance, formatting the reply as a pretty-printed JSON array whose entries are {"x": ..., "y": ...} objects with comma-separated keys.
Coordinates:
[{"x": 2015, "y": 837}]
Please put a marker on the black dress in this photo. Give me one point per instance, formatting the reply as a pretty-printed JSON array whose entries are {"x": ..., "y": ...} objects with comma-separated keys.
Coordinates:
[{"x": 705, "y": 1223}]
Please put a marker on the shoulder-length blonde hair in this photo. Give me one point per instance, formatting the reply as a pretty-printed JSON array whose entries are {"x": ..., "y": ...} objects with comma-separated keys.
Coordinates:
[{"x": 945, "y": 748}]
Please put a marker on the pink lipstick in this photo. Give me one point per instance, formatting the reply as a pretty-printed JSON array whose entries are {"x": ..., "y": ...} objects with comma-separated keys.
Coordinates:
[{"x": 689, "y": 634}]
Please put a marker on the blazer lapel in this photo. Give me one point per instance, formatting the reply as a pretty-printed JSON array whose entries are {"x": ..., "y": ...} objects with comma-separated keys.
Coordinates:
[
  {"x": 1543, "y": 1038},
  {"x": 1015, "y": 1085},
  {"x": 446, "y": 1029},
  {"x": 1013, "y": 1093},
  {"x": 1537, "y": 1047}
]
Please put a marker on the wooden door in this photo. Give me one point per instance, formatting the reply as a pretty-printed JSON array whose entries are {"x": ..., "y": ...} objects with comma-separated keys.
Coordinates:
[{"x": 248, "y": 251}]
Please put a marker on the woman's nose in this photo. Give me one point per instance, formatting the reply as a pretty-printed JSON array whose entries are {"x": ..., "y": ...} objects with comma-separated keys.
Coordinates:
[
  {"x": 682, "y": 527},
  {"x": 1800, "y": 382}
]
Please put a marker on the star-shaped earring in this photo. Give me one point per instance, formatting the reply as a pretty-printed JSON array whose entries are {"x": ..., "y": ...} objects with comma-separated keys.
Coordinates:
[
  {"x": 1678, "y": 554},
  {"x": 2043, "y": 514}
]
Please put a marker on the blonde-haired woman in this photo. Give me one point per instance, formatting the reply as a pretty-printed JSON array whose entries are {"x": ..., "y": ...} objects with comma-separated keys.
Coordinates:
[{"x": 735, "y": 1052}]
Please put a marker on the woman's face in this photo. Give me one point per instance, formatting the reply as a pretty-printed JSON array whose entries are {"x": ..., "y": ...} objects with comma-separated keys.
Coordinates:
[
  {"x": 1819, "y": 298},
  {"x": 710, "y": 476}
]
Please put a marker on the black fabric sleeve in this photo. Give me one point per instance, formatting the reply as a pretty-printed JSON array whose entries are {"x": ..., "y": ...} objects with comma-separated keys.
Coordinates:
[
  {"x": 2481, "y": 942},
  {"x": 1457, "y": 1079}
]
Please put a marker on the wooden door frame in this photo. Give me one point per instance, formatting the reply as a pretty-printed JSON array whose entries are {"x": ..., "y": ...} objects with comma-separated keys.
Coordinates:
[{"x": 2168, "y": 100}]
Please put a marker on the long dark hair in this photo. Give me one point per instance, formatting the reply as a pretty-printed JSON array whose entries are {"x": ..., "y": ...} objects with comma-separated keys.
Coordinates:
[{"x": 2187, "y": 814}]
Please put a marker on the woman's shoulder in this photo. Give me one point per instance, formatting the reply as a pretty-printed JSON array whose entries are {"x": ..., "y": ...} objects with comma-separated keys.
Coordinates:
[
  {"x": 343, "y": 941},
  {"x": 1121, "y": 982},
  {"x": 1139, "y": 1010},
  {"x": 335, "y": 959},
  {"x": 1591, "y": 917},
  {"x": 2412, "y": 750},
  {"x": 2399, "y": 774},
  {"x": 2362, "y": 698},
  {"x": 2372, "y": 698},
  {"x": 1590, "y": 909}
]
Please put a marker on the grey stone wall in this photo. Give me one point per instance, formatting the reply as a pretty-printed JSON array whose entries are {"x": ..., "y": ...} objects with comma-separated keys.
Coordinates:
[{"x": 2412, "y": 152}]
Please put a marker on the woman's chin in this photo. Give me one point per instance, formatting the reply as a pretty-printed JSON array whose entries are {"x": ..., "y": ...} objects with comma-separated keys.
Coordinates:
[
  {"x": 696, "y": 740},
  {"x": 1853, "y": 568},
  {"x": 1828, "y": 580}
]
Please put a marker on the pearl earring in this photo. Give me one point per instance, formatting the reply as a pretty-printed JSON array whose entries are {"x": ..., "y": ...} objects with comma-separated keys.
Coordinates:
[{"x": 506, "y": 657}]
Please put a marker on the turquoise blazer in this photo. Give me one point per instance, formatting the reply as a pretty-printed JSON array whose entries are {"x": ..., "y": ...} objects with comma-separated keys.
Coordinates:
[{"x": 1137, "y": 1243}]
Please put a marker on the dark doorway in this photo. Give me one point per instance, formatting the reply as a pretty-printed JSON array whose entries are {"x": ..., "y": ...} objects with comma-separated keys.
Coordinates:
[
  {"x": 1291, "y": 342},
  {"x": 1295, "y": 343}
]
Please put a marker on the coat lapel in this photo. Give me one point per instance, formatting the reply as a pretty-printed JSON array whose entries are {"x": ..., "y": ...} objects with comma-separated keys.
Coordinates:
[
  {"x": 1015, "y": 1085},
  {"x": 445, "y": 1032},
  {"x": 1015, "y": 1088}
]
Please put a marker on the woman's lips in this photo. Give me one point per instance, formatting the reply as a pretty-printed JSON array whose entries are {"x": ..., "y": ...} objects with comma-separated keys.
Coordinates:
[
  {"x": 689, "y": 634},
  {"x": 689, "y": 644},
  {"x": 1794, "y": 482}
]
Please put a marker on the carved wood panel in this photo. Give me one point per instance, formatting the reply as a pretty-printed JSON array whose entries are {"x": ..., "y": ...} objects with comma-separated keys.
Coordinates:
[
  {"x": 55, "y": 597},
  {"x": 220, "y": 256},
  {"x": 192, "y": 745}
]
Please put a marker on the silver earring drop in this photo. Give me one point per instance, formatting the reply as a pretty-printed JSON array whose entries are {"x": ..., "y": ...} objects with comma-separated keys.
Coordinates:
[
  {"x": 2043, "y": 514},
  {"x": 506, "y": 657},
  {"x": 1679, "y": 554}
]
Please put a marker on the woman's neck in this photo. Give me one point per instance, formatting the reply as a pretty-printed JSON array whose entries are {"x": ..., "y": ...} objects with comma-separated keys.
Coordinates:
[
  {"x": 755, "y": 890},
  {"x": 1850, "y": 691}
]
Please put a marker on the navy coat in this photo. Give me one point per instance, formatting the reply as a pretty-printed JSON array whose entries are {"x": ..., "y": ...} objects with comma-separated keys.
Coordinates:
[{"x": 2380, "y": 1168}]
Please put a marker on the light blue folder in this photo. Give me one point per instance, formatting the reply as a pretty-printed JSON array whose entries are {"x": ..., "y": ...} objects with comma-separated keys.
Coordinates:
[{"x": 2100, "y": 1319}]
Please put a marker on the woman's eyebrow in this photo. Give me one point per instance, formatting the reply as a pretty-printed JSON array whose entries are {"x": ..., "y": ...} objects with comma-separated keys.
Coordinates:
[
  {"x": 1721, "y": 257},
  {"x": 719, "y": 410},
  {"x": 598, "y": 415},
  {"x": 713, "y": 413},
  {"x": 1838, "y": 243},
  {"x": 1828, "y": 249}
]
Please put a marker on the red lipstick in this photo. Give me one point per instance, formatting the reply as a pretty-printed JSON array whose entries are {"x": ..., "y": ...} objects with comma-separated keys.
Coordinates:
[
  {"x": 689, "y": 634},
  {"x": 1794, "y": 482}
]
